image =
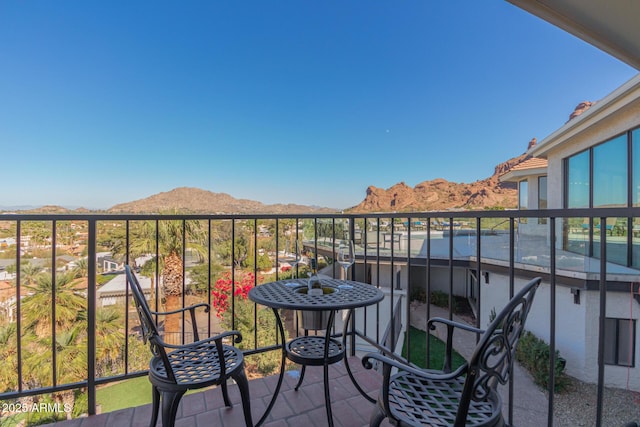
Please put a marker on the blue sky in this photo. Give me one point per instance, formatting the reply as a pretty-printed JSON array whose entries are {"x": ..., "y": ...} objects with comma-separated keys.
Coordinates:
[{"x": 306, "y": 102}]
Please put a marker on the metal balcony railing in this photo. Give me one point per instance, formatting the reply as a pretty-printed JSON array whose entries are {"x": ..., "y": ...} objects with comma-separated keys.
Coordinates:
[{"x": 66, "y": 322}]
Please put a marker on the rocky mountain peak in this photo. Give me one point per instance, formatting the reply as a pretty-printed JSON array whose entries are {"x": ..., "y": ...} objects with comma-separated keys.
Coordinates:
[
  {"x": 580, "y": 108},
  {"x": 440, "y": 194}
]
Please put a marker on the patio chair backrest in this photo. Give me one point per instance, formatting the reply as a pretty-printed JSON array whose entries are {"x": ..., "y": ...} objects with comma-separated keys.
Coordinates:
[
  {"x": 149, "y": 331},
  {"x": 494, "y": 355}
]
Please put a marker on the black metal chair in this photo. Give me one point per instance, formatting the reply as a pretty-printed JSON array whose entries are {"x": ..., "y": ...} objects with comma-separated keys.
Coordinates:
[
  {"x": 174, "y": 369},
  {"x": 467, "y": 396}
]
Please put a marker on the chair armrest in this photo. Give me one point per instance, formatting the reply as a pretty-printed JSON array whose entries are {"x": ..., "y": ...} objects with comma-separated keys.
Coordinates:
[
  {"x": 451, "y": 326},
  {"x": 180, "y": 310},
  {"x": 216, "y": 338},
  {"x": 192, "y": 312},
  {"x": 411, "y": 369},
  {"x": 454, "y": 324}
]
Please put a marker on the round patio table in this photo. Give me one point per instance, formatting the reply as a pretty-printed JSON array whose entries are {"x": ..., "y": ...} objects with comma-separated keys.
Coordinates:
[{"x": 315, "y": 350}]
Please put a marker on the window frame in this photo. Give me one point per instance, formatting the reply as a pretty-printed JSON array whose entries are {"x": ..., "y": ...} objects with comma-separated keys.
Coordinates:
[
  {"x": 546, "y": 195},
  {"x": 616, "y": 342}
]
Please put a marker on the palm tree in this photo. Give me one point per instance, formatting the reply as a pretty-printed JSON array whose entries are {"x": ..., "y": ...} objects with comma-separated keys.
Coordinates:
[
  {"x": 36, "y": 307},
  {"x": 9, "y": 357},
  {"x": 29, "y": 273},
  {"x": 81, "y": 268},
  {"x": 109, "y": 340},
  {"x": 71, "y": 361},
  {"x": 169, "y": 234}
]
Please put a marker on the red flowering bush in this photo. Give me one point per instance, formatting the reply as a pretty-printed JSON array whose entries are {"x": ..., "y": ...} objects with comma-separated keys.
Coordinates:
[
  {"x": 225, "y": 286},
  {"x": 255, "y": 323}
]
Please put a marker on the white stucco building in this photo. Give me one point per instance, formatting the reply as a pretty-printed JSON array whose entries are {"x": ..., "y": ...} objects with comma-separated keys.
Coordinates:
[{"x": 593, "y": 161}]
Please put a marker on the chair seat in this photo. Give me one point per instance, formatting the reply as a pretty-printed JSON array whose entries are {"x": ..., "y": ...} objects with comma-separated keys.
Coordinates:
[
  {"x": 195, "y": 366},
  {"x": 418, "y": 401}
]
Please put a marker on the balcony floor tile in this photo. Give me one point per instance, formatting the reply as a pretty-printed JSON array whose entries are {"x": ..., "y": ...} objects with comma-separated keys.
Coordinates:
[{"x": 304, "y": 407}]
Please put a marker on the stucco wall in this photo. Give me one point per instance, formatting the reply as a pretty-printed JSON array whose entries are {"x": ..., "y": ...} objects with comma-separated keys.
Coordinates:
[{"x": 576, "y": 326}]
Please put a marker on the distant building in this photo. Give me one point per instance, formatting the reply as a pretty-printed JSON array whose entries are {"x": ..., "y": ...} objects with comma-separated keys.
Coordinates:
[{"x": 115, "y": 291}]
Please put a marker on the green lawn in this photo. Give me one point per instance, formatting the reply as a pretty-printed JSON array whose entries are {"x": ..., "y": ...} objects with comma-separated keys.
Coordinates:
[
  {"x": 124, "y": 394},
  {"x": 436, "y": 348},
  {"x": 127, "y": 394}
]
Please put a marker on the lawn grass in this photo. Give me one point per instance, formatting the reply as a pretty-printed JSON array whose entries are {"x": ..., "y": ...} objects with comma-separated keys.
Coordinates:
[
  {"x": 436, "y": 348},
  {"x": 124, "y": 394},
  {"x": 127, "y": 394}
]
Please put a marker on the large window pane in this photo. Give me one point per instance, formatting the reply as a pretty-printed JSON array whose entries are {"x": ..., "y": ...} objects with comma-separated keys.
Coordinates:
[
  {"x": 634, "y": 229},
  {"x": 542, "y": 196},
  {"x": 610, "y": 173},
  {"x": 542, "y": 192},
  {"x": 578, "y": 181},
  {"x": 635, "y": 135},
  {"x": 523, "y": 195},
  {"x": 625, "y": 342},
  {"x": 610, "y": 348}
]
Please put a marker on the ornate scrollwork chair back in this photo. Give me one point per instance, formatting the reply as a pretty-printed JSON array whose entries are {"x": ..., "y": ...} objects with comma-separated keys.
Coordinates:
[
  {"x": 492, "y": 361},
  {"x": 467, "y": 396},
  {"x": 174, "y": 369}
]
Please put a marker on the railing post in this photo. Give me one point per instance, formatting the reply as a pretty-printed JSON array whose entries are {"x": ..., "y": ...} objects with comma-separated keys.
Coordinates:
[
  {"x": 91, "y": 317},
  {"x": 352, "y": 235},
  {"x": 601, "y": 322},
  {"x": 552, "y": 320}
]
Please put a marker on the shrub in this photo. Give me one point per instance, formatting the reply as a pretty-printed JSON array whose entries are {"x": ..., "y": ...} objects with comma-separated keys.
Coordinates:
[
  {"x": 440, "y": 299},
  {"x": 418, "y": 295},
  {"x": 533, "y": 353}
]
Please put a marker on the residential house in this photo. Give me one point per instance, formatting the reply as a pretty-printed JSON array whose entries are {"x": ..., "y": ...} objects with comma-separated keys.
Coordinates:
[
  {"x": 593, "y": 161},
  {"x": 115, "y": 291}
]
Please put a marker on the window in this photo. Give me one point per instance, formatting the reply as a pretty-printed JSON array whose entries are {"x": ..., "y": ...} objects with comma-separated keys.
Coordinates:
[
  {"x": 635, "y": 169},
  {"x": 578, "y": 181},
  {"x": 542, "y": 192},
  {"x": 610, "y": 173},
  {"x": 603, "y": 176},
  {"x": 523, "y": 194},
  {"x": 542, "y": 196},
  {"x": 619, "y": 346}
]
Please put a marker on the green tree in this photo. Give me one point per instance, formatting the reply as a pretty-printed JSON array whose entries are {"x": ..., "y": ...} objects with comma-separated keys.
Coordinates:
[
  {"x": 237, "y": 253},
  {"x": 200, "y": 278},
  {"x": 170, "y": 235},
  {"x": 110, "y": 338},
  {"x": 29, "y": 273},
  {"x": 81, "y": 268},
  {"x": 9, "y": 357},
  {"x": 36, "y": 307}
]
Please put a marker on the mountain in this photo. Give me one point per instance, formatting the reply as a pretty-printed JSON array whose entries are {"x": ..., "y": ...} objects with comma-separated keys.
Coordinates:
[
  {"x": 195, "y": 200},
  {"x": 440, "y": 194}
]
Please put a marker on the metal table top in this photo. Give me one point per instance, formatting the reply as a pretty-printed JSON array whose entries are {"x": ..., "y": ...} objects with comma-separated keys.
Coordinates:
[{"x": 348, "y": 294}]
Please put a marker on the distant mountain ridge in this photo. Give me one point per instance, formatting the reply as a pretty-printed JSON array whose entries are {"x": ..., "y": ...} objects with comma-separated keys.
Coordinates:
[
  {"x": 183, "y": 200},
  {"x": 196, "y": 200}
]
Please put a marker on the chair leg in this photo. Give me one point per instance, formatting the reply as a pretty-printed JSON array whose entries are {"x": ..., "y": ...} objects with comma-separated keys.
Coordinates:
[
  {"x": 170, "y": 402},
  {"x": 304, "y": 367},
  {"x": 225, "y": 395},
  {"x": 376, "y": 417},
  {"x": 243, "y": 385},
  {"x": 155, "y": 395}
]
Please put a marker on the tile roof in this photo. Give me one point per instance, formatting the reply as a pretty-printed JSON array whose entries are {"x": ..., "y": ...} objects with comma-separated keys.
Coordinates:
[{"x": 532, "y": 163}]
